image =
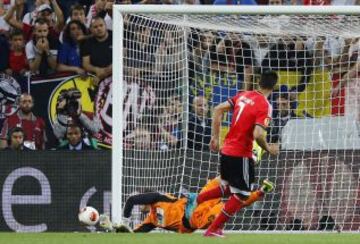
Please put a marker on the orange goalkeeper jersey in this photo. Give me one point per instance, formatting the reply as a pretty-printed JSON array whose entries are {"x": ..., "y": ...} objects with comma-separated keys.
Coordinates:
[
  {"x": 168, "y": 212},
  {"x": 168, "y": 215}
]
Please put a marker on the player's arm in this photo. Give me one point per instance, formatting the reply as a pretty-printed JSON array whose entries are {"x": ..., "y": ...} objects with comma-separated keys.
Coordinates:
[
  {"x": 144, "y": 199},
  {"x": 260, "y": 138},
  {"x": 263, "y": 116},
  {"x": 217, "y": 116},
  {"x": 144, "y": 228}
]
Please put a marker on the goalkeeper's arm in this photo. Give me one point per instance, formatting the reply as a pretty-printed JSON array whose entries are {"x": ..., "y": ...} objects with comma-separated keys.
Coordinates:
[{"x": 144, "y": 199}]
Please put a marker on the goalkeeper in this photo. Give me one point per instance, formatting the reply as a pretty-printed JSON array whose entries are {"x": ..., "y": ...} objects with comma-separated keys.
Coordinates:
[
  {"x": 180, "y": 215},
  {"x": 168, "y": 212}
]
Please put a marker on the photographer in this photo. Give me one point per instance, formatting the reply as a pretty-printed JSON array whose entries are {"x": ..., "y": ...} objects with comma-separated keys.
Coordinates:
[{"x": 69, "y": 111}]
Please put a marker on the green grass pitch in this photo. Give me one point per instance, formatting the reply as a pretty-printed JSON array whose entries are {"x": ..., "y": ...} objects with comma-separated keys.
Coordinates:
[{"x": 164, "y": 238}]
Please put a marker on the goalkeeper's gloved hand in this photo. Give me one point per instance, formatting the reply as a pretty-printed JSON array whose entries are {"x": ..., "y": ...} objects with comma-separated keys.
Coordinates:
[
  {"x": 126, "y": 221},
  {"x": 124, "y": 226},
  {"x": 104, "y": 222}
]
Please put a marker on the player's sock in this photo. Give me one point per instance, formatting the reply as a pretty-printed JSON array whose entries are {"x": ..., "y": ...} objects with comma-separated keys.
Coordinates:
[
  {"x": 217, "y": 192},
  {"x": 254, "y": 196},
  {"x": 233, "y": 205}
]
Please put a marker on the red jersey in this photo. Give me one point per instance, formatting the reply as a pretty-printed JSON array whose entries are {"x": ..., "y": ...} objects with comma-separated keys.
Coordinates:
[
  {"x": 34, "y": 129},
  {"x": 17, "y": 62},
  {"x": 250, "y": 108}
]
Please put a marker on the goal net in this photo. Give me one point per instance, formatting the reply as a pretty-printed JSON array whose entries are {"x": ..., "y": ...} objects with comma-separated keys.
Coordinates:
[{"x": 174, "y": 68}]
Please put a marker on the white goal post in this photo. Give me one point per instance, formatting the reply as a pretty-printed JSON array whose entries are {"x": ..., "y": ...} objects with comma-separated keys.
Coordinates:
[{"x": 169, "y": 59}]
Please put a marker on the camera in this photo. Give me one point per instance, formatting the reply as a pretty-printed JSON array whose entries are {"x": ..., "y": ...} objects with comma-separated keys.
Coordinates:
[{"x": 71, "y": 97}]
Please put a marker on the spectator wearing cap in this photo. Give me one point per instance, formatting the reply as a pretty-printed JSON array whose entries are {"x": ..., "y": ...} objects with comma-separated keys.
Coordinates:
[
  {"x": 32, "y": 6},
  {"x": 96, "y": 52},
  {"x": 69, "y": 59},
  {"x": 33, "y": 126},
  {"x": 15, "y": 140},
  {"x": 44, "y": 11},
  {"x": 41, "y": 51}
]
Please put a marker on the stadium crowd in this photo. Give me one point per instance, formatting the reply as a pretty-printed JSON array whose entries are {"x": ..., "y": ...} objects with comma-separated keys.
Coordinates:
[{"x": 44, "y": 37}]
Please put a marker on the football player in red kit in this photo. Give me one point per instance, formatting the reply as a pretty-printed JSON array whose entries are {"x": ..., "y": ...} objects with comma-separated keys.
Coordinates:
[{"x": 251, "y": 116}]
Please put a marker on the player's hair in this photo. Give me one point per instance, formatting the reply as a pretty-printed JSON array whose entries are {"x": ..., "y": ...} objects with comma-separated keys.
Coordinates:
[{"x": 268, "y": 80}]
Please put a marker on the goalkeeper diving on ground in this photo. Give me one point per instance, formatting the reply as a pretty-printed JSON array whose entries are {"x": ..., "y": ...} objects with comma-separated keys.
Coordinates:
[{"x": 182, "y": 215}]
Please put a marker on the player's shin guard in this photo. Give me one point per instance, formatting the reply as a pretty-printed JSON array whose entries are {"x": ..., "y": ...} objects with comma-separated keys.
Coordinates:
[
  {"x": 217, "y": 192},
  {"x": 233, "y": 205}
]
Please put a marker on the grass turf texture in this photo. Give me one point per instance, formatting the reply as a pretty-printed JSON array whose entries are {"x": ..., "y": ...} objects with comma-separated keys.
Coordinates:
[{"x": 158, "y": 238}]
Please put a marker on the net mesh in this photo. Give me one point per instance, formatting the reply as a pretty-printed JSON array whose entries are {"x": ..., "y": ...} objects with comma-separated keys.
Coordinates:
[{"x": 177, "y": 68}]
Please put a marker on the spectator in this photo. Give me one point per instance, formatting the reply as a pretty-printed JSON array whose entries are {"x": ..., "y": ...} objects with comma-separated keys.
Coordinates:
[
  {"x": 281, "y": 115},
  {"x": 4, "y": 27},
  {"x": 34, "y": 127},
  {"x": 168, "y": 58},
  {"x": 69, "y": 111},
  {"x": 139, "y": 98},
  {"x": 141, "y": 54},
  {"x": 77, "y": 12},
  {"x": 139, "y": 139},
  {"x": 30, "y": 17},
  {"x": 199, "y": 130},
  {"x": 68, "y": 57},
  {"x": 170, "y": 124},
  {"x": 109, "y": 14},
  {"x": 6, "y": 4},
  {"x": 41, "y": 51},
  {"x": 15, "y": 140},
  {"x": 97, "y": 9},
  {"x": 75, "y": 140},
  {"x": 201, "y": 52},
  {"x": 18, "y": 63},
  {"x": 44, "y": 12},
  {"x": 96, "y": 52}
]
